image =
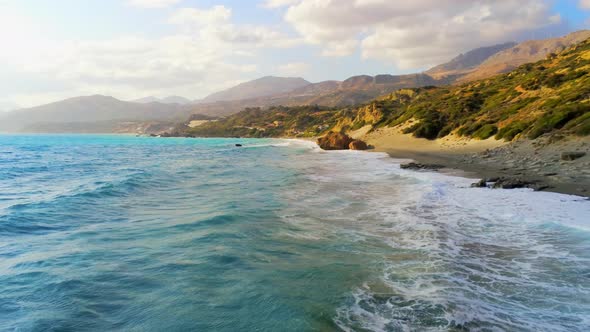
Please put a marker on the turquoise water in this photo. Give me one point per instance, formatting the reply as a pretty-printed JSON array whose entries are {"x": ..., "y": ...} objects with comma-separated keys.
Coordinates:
[{"x": 118, "y": 233}]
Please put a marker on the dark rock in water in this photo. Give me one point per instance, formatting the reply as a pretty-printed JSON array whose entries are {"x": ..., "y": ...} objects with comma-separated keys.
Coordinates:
[
  {"x": 480, "y": 184},
  {"x": 358, "y": 145},
  {"x": 239, "y": 145},
  {"x": 421, "y": 167},
  {"x": 509, "y": 183},
  {"x": 505, "y": 183},
  {"x": 335, "y": 141},
  {"x": 153, "y": 135},
  {"x": 569, "y": 156}
]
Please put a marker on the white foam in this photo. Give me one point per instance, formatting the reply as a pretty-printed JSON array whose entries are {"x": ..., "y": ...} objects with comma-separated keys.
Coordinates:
[{"x": 463, "y": 249}]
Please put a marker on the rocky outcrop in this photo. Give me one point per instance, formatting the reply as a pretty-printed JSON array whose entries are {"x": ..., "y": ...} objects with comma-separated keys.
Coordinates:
[
  {"x": 358, "y": 145},
  {"x": 508, "y": 183},
  {"x": 335, "y": 141},
  {"x": 421, "y": 167},
  {"x": 570, "y": 156}
]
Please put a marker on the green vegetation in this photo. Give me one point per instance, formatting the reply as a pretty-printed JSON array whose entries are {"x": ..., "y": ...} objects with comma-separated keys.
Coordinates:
[{"x": 552, "y": 95}]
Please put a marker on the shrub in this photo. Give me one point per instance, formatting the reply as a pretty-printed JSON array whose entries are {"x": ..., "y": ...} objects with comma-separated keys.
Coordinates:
[
  {"x": 510, "y": 131},
  {"x": 485, "y": 131},
  {"x": 556, "y": 119}
]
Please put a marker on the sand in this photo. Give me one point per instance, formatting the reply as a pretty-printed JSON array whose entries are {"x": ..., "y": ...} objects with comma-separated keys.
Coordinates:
[{"x": 537, "y": 160}]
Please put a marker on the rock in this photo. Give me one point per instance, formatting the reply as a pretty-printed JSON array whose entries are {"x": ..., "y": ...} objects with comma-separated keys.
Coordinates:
[
  {"x": 480, "y": 184},
  {"x": 239, "y": 145},
  {"x": 335, "y": 141},
  {"x": 513, "y": 183},
  {"x": 569, "y": 156},
  {"x": 420, "y": 167},
  {"x": 358, "y": 145}
]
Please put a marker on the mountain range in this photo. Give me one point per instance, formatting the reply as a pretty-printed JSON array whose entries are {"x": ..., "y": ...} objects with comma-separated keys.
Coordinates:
[
  {"x": 102, "y": 113},
  {"x": 167, "y": 100},
  {"x": 90, "y": 114},
  {"x": 549, "y": 98}
]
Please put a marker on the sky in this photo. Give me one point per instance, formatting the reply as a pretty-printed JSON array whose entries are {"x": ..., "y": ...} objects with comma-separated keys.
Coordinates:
[{"x": 56, "y": 49}]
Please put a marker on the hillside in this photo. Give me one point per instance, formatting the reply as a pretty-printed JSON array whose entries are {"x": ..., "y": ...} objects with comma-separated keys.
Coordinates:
[
  {"x": 465, "y": 63},
  {"x": 166, "y": 100},
  {"x": 265, "y": 86},
  {"x": 550, "y": 96},
  {"x": 89, "y": 114},
  {"x": 477, "y": 64},
  {"x": 526, "y": 52},
  {"x": 353, "y": 91}
]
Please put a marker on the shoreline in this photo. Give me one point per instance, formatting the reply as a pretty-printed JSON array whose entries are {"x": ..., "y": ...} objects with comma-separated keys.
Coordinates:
[
  {"x": 538, "y": 162},
  {"x": 535, "y": 161}
]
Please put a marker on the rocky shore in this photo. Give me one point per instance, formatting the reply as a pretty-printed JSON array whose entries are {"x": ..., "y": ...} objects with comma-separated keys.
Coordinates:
[{"x": 549, "y": 163}]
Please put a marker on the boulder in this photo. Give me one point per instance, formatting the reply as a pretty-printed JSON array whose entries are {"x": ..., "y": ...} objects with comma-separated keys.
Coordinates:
[
  {"x": 421, "y": 167},
  {"x": 480, "y": 184},
  {"x": 569, "y": 156},
  {"x": 335, "y": 141},
  {"x": 358, "y": 145}
]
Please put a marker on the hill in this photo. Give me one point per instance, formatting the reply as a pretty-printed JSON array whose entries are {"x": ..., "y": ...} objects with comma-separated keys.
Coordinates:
[
  {"x": 353, "y": 91},
  {"x": 526, "y": 52},
  {"x": 550, "y": 96},
  {"x": 265, "y": 86},
  {"x": 473, "y": 65},
  {"x": 465, "y": 63},
  {"x": 89, "y": 114},
  {"x": 167, "y": 100}
]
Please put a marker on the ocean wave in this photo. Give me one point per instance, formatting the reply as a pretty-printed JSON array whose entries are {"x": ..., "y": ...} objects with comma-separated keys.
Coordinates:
[{"x": 462, "y": 258}]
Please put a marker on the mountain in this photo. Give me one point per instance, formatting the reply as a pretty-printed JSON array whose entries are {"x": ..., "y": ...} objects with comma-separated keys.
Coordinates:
[
  {"x": 168, "y": 100},
  {"x": 175, "y": 100},
  {"x": 526, "y": 52},
  {"x": 467, "y": 62},
  {"x": 352, "y": 91},
  {"x": 265, "y": 86},
  {"x": 89, "y": 114},
  {"x": 548, "y": 97},
  {"x": 361, "y": 89}
]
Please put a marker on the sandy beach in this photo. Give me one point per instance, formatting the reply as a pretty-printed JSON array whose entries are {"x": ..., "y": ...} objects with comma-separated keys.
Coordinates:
[{"x": 536, "y": 161}]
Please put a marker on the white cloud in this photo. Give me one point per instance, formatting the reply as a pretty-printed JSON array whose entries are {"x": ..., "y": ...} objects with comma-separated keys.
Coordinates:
[
  {"x": 414, "y": 34},
  {"x": 297, "y": 69},
  {"x": 584, "y": 4},
  {"x": 153, "y": 3},
  {"x": 205, "y": 52},
  {"x": 279, "y": 3},
  {"x": 201, "y": 17}
]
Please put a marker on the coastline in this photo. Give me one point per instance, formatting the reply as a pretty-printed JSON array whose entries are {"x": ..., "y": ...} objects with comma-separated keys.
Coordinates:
[{"x": 535, "y": 161}]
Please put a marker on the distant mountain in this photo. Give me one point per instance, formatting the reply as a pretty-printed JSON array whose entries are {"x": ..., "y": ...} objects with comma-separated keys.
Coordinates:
[
  {"x": 265, "y": 86},
  {"x": 467, "y": 62},
  {"x": 175, "y": 100},
  {"x": 538, "y": 99},
  {"x": 526, "y": 52},
  {"x": 352, "y": 91},
  {"x": 89, "y": 114},
  {"x": 168, "y": 100}
]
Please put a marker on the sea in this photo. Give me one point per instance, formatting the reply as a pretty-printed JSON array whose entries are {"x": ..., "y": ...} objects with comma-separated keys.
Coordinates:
[{"x": 125, "y": 233}]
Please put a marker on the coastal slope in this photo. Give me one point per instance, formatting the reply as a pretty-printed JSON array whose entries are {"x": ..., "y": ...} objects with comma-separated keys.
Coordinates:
[{"x": 524, "y": 120}]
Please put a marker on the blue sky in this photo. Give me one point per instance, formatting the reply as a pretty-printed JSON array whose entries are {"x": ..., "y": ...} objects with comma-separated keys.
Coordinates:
[{"x": 134, "y": 48}]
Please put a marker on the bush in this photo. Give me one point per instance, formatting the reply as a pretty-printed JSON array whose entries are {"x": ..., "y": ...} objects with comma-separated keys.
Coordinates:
[
  {"x": 485, "y": 131},
  {"x": 556, "y": 119},
  {"x": 510, "y": 131},
  {"x": 425, "y": 129}
]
